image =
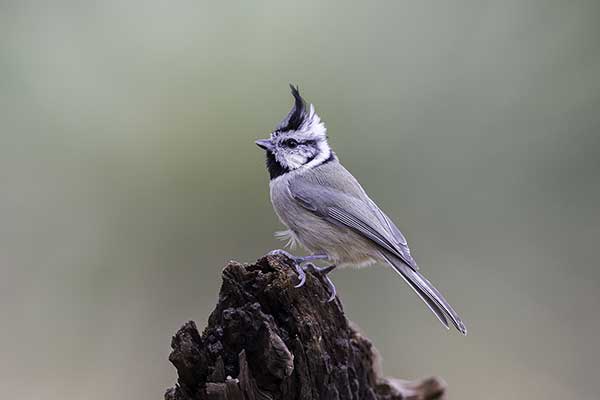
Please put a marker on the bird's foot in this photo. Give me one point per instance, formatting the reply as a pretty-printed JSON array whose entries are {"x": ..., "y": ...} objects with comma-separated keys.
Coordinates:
[
  {"x": 297, "y": 263},
  {"x": 303, "y": 264},
  {"x": 323, "y": 273}
]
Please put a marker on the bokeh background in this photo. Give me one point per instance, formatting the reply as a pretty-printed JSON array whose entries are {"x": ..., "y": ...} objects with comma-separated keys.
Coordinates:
[{"x": 129, "y": 178}]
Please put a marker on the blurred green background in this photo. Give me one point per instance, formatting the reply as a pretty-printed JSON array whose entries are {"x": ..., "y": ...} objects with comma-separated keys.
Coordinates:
[{"x": 129, "y": 178}]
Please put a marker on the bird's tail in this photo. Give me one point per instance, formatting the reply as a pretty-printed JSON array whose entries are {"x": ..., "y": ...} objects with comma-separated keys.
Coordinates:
[{"x": 428, "y": 293}]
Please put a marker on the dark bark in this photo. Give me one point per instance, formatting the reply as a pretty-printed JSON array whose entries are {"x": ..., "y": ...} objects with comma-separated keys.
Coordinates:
[{"x": 268, "y": 340}]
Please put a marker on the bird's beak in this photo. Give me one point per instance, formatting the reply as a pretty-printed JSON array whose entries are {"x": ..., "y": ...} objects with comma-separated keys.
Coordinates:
[{"x": 265, "y": 144}]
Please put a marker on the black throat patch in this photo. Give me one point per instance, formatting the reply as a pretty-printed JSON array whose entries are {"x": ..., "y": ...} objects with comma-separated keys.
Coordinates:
[{"x": 274, "y": 167}]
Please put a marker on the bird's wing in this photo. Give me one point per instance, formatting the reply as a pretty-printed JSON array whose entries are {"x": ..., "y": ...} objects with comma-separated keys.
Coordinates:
[
  {"x": 358, "y": 213},
  {"x": 399, "y": 239}
]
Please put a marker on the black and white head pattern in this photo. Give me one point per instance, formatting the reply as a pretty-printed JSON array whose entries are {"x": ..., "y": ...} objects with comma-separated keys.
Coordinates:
[{"x": 299, "y": 141}]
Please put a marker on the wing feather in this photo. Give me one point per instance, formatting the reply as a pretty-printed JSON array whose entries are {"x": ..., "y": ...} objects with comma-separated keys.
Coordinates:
[{"x": 359, "y": 214}]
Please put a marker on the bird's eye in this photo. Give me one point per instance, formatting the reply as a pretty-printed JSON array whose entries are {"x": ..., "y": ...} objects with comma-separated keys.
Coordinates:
[{"x": 291, "y": 143}]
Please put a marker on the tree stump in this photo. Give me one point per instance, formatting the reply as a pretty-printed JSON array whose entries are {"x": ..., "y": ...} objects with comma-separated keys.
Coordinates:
[{"x": 268, "y": 340}]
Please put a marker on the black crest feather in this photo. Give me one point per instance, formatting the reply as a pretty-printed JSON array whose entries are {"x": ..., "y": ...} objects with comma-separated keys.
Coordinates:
[{"x": 297, "y": 115}]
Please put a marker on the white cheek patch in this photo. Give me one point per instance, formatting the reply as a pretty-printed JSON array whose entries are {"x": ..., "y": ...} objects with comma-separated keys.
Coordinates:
[
  {"x": 291, "y": 161},
  {"x": 295, "y": 161}
]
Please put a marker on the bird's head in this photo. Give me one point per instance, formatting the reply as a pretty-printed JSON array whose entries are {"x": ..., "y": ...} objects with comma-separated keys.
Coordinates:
[{"x": 300, "y": 140}]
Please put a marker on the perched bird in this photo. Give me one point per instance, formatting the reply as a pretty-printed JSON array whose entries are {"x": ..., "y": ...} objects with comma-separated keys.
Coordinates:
[{"x": 327, "y": 211}]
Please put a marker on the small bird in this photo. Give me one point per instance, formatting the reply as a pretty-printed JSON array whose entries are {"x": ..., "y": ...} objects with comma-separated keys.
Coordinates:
[{"x": 327, "y": 211}]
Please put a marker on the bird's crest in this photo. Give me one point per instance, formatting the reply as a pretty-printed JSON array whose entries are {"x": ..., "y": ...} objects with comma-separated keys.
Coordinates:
[{"x": 304, "y": 121}]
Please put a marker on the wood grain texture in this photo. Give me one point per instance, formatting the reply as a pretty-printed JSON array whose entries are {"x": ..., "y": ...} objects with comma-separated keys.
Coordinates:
[{"x": 268, "y": 340}]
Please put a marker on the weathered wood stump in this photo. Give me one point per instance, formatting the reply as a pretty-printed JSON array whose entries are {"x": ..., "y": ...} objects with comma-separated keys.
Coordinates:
[{"x": 268, "y": 340}]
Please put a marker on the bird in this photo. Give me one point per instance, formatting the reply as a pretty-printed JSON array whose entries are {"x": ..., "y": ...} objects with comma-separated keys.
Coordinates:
[{"x": 326, "y": 210}]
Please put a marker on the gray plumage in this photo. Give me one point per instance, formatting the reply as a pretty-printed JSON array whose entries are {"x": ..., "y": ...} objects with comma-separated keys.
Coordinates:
[{"x": 327, "y": 211}]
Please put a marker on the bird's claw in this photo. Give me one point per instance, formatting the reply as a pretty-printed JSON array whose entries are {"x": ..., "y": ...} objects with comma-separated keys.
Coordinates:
[
  {"x": 323, "y": 273},
  {"x": 297, "y": 261},
  {"x": 331, "y": 289},
  {"x": 301, "y": 275},
  {"x": 301, "y": 270}
]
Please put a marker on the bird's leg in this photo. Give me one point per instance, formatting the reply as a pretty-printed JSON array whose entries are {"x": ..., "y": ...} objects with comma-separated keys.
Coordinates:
[
  {"x": 298, "y": 261},
  {"x": 323, "y": 272}
]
